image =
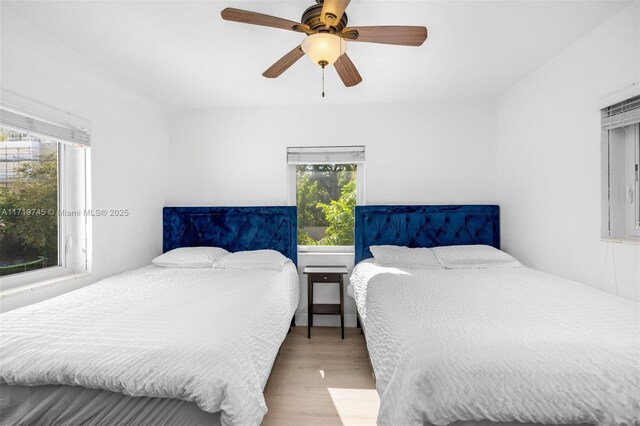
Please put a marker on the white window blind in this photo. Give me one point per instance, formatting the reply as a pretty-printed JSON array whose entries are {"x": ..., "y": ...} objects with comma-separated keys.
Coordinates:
[
  {"x": 65, "y": 133},
  {"x": 621, "y": 114},
  {"x": 325, "y": 155}
]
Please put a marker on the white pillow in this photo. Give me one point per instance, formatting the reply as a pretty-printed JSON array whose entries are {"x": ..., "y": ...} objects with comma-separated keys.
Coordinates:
[
  {"x": 191, "y": 257},
  {"x": 404, "y": 257},
  {"x": 474, "y": 256},
  {"x": 254, "y": 259}
]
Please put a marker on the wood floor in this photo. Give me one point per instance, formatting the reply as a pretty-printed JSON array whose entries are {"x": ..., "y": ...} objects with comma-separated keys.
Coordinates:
[{"x": 322, "y": 381}]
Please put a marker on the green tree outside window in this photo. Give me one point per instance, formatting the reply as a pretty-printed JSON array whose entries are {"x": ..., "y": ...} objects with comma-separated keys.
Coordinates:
[
  {"x": 28, "y": 241},
  {"x": 326, "y": 199}
]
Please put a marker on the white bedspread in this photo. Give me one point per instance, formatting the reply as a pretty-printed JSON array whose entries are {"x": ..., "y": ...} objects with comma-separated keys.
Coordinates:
[
  {"x": 504, "y": 345},
  {"x": 202, "y": 335}
]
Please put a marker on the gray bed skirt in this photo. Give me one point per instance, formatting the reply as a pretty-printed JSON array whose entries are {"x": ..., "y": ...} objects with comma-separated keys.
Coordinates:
[{"x": 75, "y": 405}]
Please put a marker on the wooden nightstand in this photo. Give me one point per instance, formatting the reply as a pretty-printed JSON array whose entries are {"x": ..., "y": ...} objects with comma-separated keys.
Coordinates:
[{"x": 325, "y": 274}]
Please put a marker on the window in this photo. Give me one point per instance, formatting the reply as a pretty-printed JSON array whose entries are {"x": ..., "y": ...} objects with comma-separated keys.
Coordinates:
[
  {"x": 620, "y": 171},
  {"x": 43, "y": 199},
  {"x": 327, "y": 183},
  {"x": 29, "y": 233}
]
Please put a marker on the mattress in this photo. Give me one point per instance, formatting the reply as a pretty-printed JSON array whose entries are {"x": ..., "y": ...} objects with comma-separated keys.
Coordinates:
[
  {"x": 498, "y": 345},
  {"x": 207, "y": 337}
]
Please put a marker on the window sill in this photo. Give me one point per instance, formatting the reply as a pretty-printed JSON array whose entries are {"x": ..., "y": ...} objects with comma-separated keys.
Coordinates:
[
  {"x": 633, "y": 242},
  {"x": 304, "y": 250},
  {"x": 42, "y": 284},
  {"x": 325, "y": 253}
]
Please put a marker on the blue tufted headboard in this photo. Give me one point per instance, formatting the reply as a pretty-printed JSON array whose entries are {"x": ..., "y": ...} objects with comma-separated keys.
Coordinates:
[
  {"x": 232, "y": 228},
  {"x": 425, "y": 226}
]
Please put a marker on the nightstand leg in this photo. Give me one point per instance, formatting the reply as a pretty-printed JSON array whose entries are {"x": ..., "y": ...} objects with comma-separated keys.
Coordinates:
[
  {"x": 341, "y": 307},
  {"x": 310, "y": 306}
]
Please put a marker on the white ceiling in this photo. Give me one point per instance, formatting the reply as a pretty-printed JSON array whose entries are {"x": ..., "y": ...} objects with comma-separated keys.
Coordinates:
[{"x": 183, "y": 55}]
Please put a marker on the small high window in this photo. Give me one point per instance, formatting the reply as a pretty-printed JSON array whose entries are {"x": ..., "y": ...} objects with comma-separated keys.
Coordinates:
[
  {"x": 620, "y": 171},
  {"x": 326, "y": 184}
]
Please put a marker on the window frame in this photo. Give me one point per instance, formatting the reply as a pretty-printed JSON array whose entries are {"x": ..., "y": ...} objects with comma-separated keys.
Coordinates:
[
  {"x": 633, "y": 182},
  {"x": 619, "y": 110},
  {"x": 74, "y": 242},
  {"x": 292, "y": 201}
]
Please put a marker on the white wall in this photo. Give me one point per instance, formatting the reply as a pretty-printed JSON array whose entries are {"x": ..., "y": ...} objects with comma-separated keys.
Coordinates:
[
  {"x": 549, "y": 159},
  {"x": 129, "y": 147},
  {"x": 414, "y": 154}
]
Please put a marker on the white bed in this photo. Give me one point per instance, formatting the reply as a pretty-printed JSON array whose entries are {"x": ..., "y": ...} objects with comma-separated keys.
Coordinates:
[
  {"x": 194, "y": 345},
  {"x": 498, "y": 345}
]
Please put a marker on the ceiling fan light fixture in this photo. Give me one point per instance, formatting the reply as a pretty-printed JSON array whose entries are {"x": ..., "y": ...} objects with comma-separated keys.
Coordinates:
[{"x": 324, "y": 48}]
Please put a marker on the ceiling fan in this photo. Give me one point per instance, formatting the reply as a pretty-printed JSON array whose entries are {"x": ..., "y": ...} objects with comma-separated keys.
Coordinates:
[{"x": 325, "y": 25}]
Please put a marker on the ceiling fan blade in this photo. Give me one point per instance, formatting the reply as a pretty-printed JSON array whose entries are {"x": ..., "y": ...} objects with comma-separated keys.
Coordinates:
[
  {"x": 335, "y": 9},
  {"x": 284, "y": 63},
  {"x": 347, "y": 71},
  {"x": 255, "y": 18},
  {"x": 398, "y": 35}
]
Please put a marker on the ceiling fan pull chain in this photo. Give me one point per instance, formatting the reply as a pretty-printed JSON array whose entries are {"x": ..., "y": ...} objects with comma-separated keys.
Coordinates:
[{"x": 323, "y": 81}]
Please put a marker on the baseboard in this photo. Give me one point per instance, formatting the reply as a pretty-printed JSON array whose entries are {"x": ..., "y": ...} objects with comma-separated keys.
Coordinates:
[{"x": 326, "y": 320}]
